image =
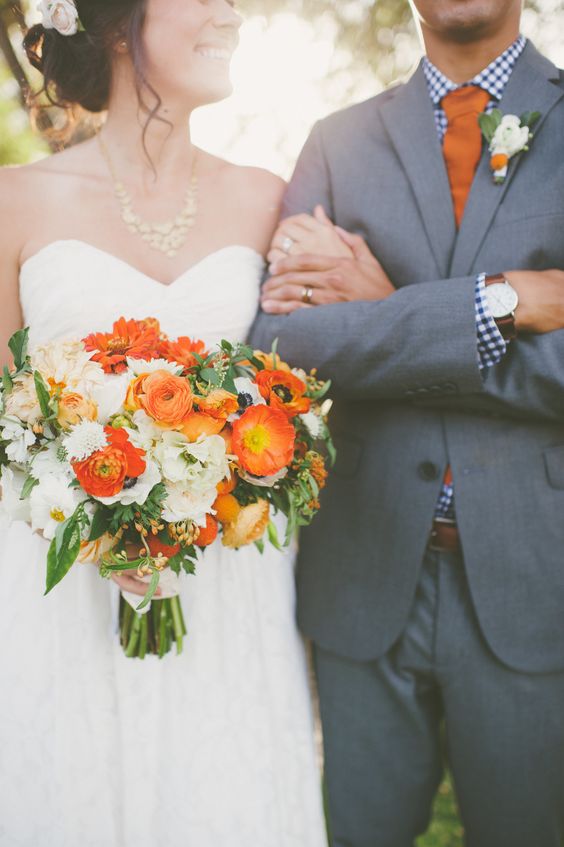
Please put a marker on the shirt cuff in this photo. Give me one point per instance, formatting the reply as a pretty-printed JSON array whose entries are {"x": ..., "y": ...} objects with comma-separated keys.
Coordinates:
[{"x": 492, "y": 346}]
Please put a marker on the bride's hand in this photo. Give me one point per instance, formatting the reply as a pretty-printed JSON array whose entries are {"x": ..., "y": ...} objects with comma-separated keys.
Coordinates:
[
  {"x": 128, "y": 580},
  {"x": 304, "y": 234},
  {"x": 300, "y": 282}
]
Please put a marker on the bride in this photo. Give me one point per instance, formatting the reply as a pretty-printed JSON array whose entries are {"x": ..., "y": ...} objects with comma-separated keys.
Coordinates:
[{"x": 213, "y": 748}]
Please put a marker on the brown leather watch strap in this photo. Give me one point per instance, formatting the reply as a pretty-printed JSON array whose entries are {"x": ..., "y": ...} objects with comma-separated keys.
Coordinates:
[{"x": 506, "y": 325}]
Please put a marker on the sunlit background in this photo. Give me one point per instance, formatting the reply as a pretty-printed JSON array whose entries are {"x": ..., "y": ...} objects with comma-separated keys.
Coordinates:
[{"x": 298, "y": 61}]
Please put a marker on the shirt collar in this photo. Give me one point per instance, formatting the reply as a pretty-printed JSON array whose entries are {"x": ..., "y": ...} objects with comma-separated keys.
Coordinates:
[{"x": 492, "y": 79}]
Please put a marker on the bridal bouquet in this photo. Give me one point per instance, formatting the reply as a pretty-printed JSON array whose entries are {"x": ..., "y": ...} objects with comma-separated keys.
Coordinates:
[{"x": 136, "y": 451}]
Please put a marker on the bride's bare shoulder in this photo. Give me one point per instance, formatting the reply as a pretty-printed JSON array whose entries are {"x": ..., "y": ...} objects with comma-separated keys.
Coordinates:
[{"x": 247, "y": 183}]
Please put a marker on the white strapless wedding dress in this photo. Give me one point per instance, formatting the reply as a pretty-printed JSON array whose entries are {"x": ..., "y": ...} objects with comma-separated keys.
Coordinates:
[{"x": 214, "y": 748}]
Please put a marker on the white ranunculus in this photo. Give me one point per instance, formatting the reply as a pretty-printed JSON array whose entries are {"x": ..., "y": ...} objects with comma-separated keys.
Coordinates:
[
  {"x": 22, "y": 401},
  {"x": 19, "y": 439},
  {"x": 110, "y": 396},
  {"x": 248, "y": 388},
  {"x": 52, "y": 502},
  {"x": 139, "y": 491},
  {"x": 510, "y": 137},
  {"x": 201, "y": 464},
  {"x": 61, "y": 15},
  {"x": 185, "y": 503},
  {"x": 49, "y": 461},
  {"x": 12, "y": 482}
]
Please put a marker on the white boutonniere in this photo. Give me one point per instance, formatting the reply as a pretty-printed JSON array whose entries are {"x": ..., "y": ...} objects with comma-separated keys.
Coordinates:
[
  {"x": 506, "y": 135},
  {"x": 61, "y": 15}
]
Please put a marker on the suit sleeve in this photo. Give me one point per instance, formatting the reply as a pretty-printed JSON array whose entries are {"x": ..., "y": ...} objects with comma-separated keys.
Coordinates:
[{"x": 420, "y": 341}]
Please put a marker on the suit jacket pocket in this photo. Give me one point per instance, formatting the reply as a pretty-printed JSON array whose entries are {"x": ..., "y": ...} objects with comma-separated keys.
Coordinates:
[
  {"x": 349, "y": 453},
  {"x": 554, "y": 463}
]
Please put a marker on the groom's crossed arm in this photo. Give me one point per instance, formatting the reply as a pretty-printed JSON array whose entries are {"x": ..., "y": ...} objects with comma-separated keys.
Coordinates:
[{"x": 420, "y": 342}]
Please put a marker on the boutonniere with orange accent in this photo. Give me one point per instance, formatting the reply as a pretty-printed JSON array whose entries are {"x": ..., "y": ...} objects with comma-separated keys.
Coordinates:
[{"x": 506, "y": 135}]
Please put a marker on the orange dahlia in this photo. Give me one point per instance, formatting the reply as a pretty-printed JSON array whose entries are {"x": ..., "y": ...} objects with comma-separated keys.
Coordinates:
[
  {"x": 104, "y": 472},
  {"x": 263, "y": 440},
  {"x": 283, "y": 391},
  {"x": 182, "y": 351},
  {"x": 156, "y": 546},
  {"x": 138, "y": 339},
  {"x": 166, "y": 398}
]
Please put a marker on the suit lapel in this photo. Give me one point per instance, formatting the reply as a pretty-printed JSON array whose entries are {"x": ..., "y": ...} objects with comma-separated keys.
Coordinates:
[
  {"x": 530, "y": 88},
  {"x": 410, "y": 122}
]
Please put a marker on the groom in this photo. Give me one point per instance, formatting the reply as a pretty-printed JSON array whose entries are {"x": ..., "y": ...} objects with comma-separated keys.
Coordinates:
[{"x": 432, "y": 582}]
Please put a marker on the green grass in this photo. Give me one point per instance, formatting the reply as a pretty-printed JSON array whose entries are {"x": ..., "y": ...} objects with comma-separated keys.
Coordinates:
[{"x": 446, "y": 829}]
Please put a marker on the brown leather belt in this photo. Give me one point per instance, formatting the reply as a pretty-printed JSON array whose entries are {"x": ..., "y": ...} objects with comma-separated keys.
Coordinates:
[{"x": 444, "y": 537}]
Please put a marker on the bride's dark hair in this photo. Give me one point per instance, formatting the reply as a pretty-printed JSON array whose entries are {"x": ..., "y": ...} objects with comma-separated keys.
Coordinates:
[{"x": 77, "y": 69}]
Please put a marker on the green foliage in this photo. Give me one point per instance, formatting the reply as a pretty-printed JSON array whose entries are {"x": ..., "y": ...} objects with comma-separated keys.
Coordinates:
[{"x": 65, "y": 548}]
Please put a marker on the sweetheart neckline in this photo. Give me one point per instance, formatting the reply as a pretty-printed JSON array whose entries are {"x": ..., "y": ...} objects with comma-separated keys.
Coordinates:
[{"x": 66, "y": 241}]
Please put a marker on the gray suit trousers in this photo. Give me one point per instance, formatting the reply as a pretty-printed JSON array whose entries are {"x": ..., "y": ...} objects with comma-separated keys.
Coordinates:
[{"x": 382, "y": 726}]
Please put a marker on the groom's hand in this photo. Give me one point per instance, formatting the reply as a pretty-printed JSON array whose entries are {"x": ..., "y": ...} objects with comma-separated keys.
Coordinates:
[
  {"x": 541, "y": 300},
  {"x": 299, "y": 282}
]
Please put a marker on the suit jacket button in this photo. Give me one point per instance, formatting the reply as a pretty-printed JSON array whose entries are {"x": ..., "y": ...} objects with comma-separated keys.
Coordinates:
[{"x": 428, "y": 471}]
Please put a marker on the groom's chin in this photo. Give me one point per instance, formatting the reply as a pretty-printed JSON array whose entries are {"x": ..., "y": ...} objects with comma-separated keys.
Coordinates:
[{"x": 464, "y": 20}]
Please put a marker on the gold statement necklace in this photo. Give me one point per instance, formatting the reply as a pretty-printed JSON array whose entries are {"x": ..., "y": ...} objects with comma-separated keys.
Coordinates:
[{"x": 167, "y": 237}]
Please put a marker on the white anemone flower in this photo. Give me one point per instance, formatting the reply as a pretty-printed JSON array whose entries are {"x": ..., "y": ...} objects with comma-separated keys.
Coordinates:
[
  {"x": 52, "y": 502},
  {"x": 51, "y": 460}
]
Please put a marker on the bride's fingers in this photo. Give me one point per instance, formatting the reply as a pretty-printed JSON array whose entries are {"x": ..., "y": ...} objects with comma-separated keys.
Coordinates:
[
  {"x": 304, "y": 280},
  {"x": 275, "y": 255},
  {"x": 321, "y": 216},
  {"x": 132, "y": 584}
]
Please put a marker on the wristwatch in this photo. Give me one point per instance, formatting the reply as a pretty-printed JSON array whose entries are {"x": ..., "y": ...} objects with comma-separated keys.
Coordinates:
[{"x": 502, "y": 300}]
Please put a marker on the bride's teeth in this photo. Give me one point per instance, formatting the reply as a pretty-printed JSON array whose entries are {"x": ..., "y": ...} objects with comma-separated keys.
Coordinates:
[{"x": 211, "y": 53}]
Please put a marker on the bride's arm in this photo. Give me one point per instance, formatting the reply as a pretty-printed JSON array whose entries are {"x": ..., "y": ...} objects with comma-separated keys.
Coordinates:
[{"x": 11, "y": 225}]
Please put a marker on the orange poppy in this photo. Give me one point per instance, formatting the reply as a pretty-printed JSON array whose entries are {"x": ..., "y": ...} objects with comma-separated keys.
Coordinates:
[
  {"x": 182, "y": 351},
  {"x": 137, "y": 339},
  {"x": 283, "y": 391},
  {"x": 249, "y": 525},
  {"x": 263, "y": 440},
  {"x": 219, "y": 404},
  {"x": 166, "y": 398},
  {"x": 272, "y": 362},
  {"x": 104, "y": 472}
]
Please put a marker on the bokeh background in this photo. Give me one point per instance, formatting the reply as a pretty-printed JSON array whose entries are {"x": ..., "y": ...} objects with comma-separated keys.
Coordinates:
[{"x": 298, "y": 61}]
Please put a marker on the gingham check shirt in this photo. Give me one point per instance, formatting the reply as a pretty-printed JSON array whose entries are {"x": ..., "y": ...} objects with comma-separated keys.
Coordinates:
[{"x": 493, "y": 79}]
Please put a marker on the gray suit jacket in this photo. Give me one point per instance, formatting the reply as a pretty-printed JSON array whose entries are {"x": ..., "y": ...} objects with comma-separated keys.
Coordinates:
[{"x": 410, "y": 396}]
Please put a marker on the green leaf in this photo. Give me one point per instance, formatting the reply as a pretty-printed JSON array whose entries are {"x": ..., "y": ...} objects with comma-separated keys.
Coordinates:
[
  {"x": 260, "y": 545},
  {"x": 7, "y": 381},
  {"x": 273, "y": 535},
  {"x": 28, "y": 487},
  {"x": 63, "y": 551},
  {"x": 530, "y": 119},
  {"x": 100, "y": 523},
  {"x": 18, "y": 346},
  {"x": 210, "y": 375},
  {"x": 42, "y": 394},
  {"x": 153, "y": 585}
]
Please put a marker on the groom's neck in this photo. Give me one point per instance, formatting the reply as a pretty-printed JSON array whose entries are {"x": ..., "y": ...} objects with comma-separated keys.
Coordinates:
[{"x": 461, "y": 60}]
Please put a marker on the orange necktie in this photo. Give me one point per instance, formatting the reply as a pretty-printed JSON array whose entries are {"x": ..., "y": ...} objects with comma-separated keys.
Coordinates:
[{"x": 462, "y": 146}]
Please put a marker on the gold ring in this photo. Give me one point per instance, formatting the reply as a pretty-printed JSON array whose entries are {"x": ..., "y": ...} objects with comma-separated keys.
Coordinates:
[{"x": 307, "y": 294}]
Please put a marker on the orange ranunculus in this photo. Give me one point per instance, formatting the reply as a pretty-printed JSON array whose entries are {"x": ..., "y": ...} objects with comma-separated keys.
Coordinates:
[
  {"x": 182, "y": 351},
  {"x": 166, "y": 398},
  {"x": 74, "y": 408},
  {"x": 137, "y": 339},
  {"x": 156, "y": 546},
  {"x": 226, "y": 508},
  {"x": 226, "y": 486},
  {"x": 499, "y": 161},
  {"x": 135, "y": 389},
  {"x": 218, "y": 404},
  {"x": 263, "y": 440},
  {"x": 197, "y": 424},
  {"x": 208, "y": 533},
  {"x": 272, "y": 362},
  {"x": 283, "y": 391},
  {"x": 248, "y": 526},
  {"x": 104, "y": 472}
]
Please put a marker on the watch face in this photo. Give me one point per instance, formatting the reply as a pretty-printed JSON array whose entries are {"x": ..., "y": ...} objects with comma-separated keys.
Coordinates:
[{"x": 502, "y": 299}]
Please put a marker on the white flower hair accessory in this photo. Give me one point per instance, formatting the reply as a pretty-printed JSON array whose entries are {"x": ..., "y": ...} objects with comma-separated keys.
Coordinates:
[
  {"x": 506, "y": 135},
  {"x": 61, "y": 15}
]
